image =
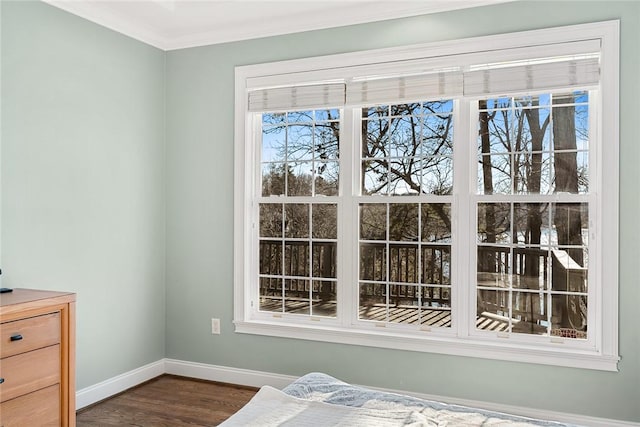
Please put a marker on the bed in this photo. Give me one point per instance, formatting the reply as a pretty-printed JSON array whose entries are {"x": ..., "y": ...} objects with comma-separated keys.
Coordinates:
[{"x": 318, "y": 399}]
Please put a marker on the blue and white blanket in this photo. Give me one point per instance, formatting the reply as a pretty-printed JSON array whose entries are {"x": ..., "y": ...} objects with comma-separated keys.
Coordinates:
[{"x": 320, "y": 400}]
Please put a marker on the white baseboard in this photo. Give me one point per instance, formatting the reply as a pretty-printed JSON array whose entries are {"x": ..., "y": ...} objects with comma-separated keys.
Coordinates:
[
  {"x": 225, "y": 374},
  {"x": 97, "y": 392},
  {"x": 253, "y": 378}
]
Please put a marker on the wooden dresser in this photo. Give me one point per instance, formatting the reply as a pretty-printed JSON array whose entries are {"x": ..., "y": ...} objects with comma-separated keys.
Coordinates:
[{"x": 37, "y": 358}]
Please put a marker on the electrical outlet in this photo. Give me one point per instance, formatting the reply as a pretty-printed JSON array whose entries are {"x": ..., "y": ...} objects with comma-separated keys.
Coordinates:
[{"x": 215, "y": 326}]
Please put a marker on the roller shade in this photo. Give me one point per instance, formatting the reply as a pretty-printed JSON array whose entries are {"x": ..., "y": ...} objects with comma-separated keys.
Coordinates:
[
  {"x": 404, "y": 88},
  {"x": 503, "y": 78},
  {"x": 551, "y": 74},
  {"x": 297, "y": 97}
]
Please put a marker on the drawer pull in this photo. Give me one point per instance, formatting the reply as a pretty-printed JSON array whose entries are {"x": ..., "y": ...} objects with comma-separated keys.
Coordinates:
[
  {"x": 1, "y": 380},
  {"x": 16, "y": 337}
]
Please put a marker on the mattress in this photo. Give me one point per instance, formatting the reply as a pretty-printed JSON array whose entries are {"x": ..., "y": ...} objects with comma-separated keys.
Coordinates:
[{"x": 317, "y": 399}]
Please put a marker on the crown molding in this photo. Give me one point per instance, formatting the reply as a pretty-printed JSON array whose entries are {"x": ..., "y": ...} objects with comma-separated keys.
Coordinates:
[
  {"x": 305, "y": 22},
  {"x": 98, "y": 14},
  {"x": 347, "y": 13}
]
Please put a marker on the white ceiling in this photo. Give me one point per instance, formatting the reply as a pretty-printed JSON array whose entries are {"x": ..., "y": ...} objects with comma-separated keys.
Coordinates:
[{"x": 176, "y": 24}]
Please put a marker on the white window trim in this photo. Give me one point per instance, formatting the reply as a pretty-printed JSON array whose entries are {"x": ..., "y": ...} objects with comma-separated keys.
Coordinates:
[{"x": 603, "y": 355}]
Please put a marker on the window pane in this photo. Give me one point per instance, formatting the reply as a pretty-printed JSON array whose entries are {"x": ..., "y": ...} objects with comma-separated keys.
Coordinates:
[
  {"x": 531, "y": 223},
  {"x": 324, "y": 298},
  {"x": 436, "y": 222},
  {"x": 299, "y": 178},
  {"x": 296, "y": 220},
  {"x": 300, "y": 116},
  {"x": 270, "y": 220},
  {"x": 326, "y": 178},
  {"x": 296, "y": 259},
  {"x": 494, "y": 267},
  {"x": 494, "y": 174},
  {"x": 328, "y": 115},
  {"x": 495, "y": 126},
  {"x": 437, "y": 135},
  {"x": 299, "y": 142},
  {"x": 436, "y": 264},
  {"x": 494, "y": 223},
  {"x": 271, "y": 257},
  {"x": 403, "y": 263},
  {"x": 273, "y": 179},
  {"x": 493, "y": 311},
  {"x": 437, "y": 175},
  {"x": 373, "y": 302},
  {"x": 271, "y": 294},
  {"x": 274, "y": 143},
  {"x": 404, "y": 304},
  {"x": 436, "y": 297},
  {"x": 404, "y": 139},
  {"x": 376, "y": 134},
  {"x": 436, "y": 306},
  {"x": 325, "y": 142},
  {"x": 325, "y": 221},
  {"x": 373, "y": 221},
  {"x": 569, "y": 316},
  {"x": 324, "y": 259},
  {"x": 438, "y": 107},
  {"x": 375, "y": 177},
  {"x": 533, "y": 173},
  {"x": 569, "y": 270},
  {"x": 571, "y": 221},
  {"x": 373, "y": 261},
  {"x": 530, "y": 268},
  {"x": 403, "y": 222},
  {"x": 404, "y": 176},
  {"x": 529, "y": 312},
  {"x": 296, "y": 293}
]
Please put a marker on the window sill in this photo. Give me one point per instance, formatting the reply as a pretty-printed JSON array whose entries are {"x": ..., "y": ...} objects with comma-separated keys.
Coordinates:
[{"x": 469, "y": 347}]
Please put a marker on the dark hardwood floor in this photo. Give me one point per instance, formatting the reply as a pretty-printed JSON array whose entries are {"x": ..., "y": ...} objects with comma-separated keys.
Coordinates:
[{"x": 168, "y": 401}]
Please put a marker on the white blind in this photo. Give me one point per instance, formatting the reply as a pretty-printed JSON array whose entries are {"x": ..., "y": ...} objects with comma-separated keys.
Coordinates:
[
  {"x": 521, "y": 76},
  {"x": 484, "y": 79},
  {"x": 404, "y": 88},
  {"x": 297, "y": 97}
]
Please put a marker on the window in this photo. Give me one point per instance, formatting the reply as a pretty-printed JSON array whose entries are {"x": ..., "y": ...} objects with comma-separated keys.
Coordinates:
[{"x": 439, "y": 198}]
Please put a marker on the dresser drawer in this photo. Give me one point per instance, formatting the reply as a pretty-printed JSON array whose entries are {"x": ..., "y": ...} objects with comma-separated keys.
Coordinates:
[
  {"x": 29, "y": 372},
  {"x": 40, "y": 408},
  {"x": 29, "y": 334}
]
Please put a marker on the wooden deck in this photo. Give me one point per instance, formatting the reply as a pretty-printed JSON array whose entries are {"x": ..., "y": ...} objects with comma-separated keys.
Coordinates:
[{"x": 437, "y": 317}]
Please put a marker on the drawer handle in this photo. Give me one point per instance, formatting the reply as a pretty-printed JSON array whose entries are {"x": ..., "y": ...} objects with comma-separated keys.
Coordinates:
[
  {"x": 16, "y": 337},
  {"x": 1, "y": 380}
]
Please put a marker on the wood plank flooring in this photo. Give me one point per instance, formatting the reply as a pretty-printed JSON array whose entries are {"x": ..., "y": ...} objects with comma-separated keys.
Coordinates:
[{"x": 168, "y": 401}]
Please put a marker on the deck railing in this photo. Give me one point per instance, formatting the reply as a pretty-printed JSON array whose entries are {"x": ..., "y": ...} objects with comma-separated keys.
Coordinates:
[{"x": 425, "y": 270}]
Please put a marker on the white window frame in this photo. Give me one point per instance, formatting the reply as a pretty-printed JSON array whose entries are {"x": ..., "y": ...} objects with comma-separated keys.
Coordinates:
[{"x": 601, "y": 350}]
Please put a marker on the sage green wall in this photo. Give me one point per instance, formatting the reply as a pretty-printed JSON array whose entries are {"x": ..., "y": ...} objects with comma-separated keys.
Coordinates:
[
  {"x": 200, "y": 85},
  {"x": 83, "y": 180}
]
